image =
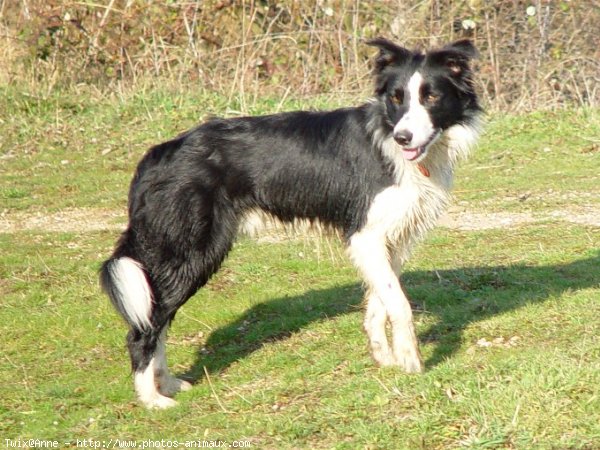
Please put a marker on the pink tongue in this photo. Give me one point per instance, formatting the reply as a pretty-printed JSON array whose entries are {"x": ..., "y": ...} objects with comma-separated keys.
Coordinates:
[{"x": 410, "y": 153}]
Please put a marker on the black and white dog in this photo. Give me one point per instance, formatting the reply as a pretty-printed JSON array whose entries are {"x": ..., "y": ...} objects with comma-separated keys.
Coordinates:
[{"x": 380, "y": 173}]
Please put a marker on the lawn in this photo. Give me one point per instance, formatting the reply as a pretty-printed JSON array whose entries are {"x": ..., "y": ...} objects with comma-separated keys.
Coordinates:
[{"x": 507, "y": 316}]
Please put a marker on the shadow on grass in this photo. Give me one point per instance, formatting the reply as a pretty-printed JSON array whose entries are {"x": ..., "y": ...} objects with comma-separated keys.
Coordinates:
[
  {"x": 456, "y": 298},
  {"x": 460, "y": 297},
  {"x": 272, "y": 321}
]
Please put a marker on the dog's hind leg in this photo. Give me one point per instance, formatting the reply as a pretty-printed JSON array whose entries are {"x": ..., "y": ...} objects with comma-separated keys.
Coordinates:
[
  {"x": 174, "y": 281},
  {"x": 154, "y": 384},
  {"x": 126, "y": 282},
  {"x": 157, "y": 266},
  {"x": 146, "y": 363},
  {"x": 168, "y": 385}
]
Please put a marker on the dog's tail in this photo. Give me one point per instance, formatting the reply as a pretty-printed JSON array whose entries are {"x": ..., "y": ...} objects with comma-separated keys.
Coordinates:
[{"x": 124, "y": 280}]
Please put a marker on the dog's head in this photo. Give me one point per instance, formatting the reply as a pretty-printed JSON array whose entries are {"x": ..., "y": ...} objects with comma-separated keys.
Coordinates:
[{"x": 424, "y": 94}]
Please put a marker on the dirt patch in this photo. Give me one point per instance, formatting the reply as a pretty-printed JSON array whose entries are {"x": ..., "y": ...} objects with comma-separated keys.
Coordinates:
[
  {"x": 463, "y": 219},
  {"x": 586, "y": 215},
  {"x": 470, "y": 220},
  {"x": 74, "y": 220},
  {"x": 92, "y": 219}
]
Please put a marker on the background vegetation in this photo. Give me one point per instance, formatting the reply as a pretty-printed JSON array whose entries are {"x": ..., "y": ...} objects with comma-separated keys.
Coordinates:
[{"x": 533, "y": 53}]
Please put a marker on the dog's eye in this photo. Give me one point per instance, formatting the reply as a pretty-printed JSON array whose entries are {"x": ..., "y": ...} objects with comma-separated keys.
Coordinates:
[
  {"x": 432, "y": 99},
  {"x": 398, "y": 97}
]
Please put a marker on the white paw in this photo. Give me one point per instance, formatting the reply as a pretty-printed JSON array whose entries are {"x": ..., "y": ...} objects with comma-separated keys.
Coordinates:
[
  {"x": 170, "y": 386},
  {"x": 184, "y": 385},
  {"x": 383, "y": 358},
  {"x": 158, "y": 402},
  {"x": 409, "y": 360}
]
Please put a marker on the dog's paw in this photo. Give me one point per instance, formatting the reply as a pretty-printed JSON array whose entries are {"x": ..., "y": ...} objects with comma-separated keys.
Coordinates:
[
  {"x": 384, "y": 359},
  {"x": 184, "y": 385},
  {"x": 409, "y": 360},
  {"x": 158, "y": 402},
  {"x": 170, "y": 386},
  {"x": 381, "y": 352}
]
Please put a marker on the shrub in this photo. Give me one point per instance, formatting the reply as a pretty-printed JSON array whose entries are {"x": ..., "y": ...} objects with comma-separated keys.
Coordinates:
[{"x": 538, "y": 54}]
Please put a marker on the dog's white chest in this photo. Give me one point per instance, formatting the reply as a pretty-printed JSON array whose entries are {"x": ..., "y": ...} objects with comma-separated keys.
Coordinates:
[{"x": 404, "y": 212}]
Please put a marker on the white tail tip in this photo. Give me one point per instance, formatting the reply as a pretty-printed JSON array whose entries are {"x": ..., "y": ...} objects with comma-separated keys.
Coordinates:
[{"x": 135, "y": 295}]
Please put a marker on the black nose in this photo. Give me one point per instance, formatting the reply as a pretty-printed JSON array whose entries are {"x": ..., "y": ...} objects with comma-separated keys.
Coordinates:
[{"x": 403, "y": 137}]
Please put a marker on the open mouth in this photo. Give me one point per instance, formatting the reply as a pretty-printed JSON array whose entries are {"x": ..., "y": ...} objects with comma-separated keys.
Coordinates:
[
  {"x": 410, "y": 154},
  {"x": 413, "y": 154}
]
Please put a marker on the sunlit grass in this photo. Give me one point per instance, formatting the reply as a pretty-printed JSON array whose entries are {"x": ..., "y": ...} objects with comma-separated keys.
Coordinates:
[{"x": 507, "y": 318}]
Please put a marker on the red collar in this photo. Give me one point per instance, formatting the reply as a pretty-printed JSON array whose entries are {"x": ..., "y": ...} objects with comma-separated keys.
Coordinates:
[{"x": 424, "y": 170}]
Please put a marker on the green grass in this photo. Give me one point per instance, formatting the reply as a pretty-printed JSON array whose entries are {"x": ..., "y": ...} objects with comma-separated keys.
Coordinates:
[
  {"x": 507, "y": 319},
  {"x": 536, "y": 161}
]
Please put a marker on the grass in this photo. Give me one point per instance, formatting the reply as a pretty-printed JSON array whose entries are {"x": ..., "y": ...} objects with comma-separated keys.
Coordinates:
[
  {"x": 537, "y": 161},
  {"x": 507, "y": 318}
]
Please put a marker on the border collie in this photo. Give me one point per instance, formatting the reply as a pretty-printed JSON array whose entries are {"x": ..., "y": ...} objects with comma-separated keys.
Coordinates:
[{"x": 380, "y": 173}]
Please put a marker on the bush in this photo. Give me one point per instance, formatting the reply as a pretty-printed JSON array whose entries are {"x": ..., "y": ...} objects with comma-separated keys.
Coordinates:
[{"x": 533, "y": 55}]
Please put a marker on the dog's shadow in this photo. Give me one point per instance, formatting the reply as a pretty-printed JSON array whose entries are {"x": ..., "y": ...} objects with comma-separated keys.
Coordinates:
[
  {"x": 269, "y": 322},
  {"x": 455, "y": 298}
]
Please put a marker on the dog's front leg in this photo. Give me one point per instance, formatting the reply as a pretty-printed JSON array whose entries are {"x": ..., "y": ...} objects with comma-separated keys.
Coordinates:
[
  {"x": 369, "y": 252},
  {"x": 374, "y": 323}
]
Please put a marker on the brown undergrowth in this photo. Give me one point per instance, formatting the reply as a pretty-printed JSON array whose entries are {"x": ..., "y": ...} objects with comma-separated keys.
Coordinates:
[{"x": 539, "y": 54}]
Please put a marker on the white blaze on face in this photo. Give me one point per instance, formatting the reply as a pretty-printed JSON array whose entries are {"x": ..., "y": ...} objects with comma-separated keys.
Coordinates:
[{"x": 416, "y": 120}]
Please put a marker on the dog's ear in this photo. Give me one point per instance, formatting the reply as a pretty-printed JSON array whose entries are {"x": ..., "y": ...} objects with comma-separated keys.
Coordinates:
[
  {"x": 389, "y": 53},
  {"x": 456, "y": 57},
  {"x": 464, "y": 46}
]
